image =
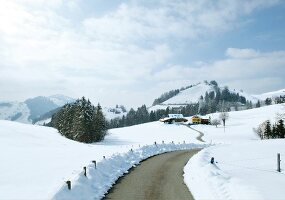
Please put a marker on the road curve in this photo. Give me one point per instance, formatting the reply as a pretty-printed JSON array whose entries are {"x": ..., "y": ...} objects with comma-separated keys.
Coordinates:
[
  {"x": 159, "y": 177},
  {"x": 201, "y": 133}
]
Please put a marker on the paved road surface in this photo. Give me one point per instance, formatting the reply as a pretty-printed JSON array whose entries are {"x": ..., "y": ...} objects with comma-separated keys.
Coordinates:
[{"x": 159, "y": 177}]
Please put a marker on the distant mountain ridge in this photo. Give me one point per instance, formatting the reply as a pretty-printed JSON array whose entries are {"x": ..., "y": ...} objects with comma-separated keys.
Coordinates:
[{"x": 32, "y": 108}]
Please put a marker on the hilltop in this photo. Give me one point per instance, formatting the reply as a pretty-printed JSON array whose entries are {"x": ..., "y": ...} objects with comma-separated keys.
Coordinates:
[{"x": 193, "y": 94}]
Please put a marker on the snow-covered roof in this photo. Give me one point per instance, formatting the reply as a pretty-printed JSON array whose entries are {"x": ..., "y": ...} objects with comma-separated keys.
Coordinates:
[{"x": 175, "y": 115}]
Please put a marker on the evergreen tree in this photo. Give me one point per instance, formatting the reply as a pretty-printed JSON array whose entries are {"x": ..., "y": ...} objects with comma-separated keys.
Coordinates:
[
  {"x": 226, "y": 95},
  {"x": 258, "y": 104},
  {"x": 131, "y": 117},
  {"x": 152, "y": 116},
  {"x": 268, "y": 101},
  {"x": 268, "y": 131},
  {"x": 280, "y": 129},
  {"x": 274, "y": 132},
  {"x": 213, "y": 82}
]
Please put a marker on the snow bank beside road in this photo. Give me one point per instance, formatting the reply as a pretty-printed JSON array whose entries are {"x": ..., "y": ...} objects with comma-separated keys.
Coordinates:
[
  {"x": 101, "y": 179},
  {"x": 242, "y": 171},
  {"x": 36, "y": 160},
  {"x": 246, "y": 167}
]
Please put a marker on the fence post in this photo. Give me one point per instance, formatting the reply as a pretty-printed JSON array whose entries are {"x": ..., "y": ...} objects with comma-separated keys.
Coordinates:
[
  {"x": 278, "y": 162},
  {"x": 68, "y": 184},
  {"x": 94, "y": 161},
  {"x": 85, "y": 174}
]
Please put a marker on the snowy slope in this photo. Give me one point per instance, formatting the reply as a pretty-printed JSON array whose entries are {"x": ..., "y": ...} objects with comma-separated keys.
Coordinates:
[
  {"x": 193, "y": 94},
  {"x": 61, "y": 100},
  {"x": 240, "y": 125},
  {"x": 190, "y": 95},
  {"x": 277, "y": 93},
  {"x": 46, "y": 159},
  {"x": 248, "y": 97},
  {"x": 14, "y": 111},
  {"x": 246, "y": 166},
  {"x": 111, "y": 113},
  {"x": 36, "y": 161}
]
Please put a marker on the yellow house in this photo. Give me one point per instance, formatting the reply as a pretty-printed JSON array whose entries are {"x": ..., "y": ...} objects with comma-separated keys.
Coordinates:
[{"x": 196, "y": 119}]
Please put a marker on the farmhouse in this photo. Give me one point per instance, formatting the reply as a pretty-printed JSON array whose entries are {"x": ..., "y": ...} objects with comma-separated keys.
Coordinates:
[
  {"x": 198, "y": 120},
  {"x": 173, "y": 118}
]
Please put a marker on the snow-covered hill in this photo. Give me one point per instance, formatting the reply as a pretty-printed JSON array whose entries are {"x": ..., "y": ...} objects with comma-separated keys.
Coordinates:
[
  {"x": 111, "y": 113},
  {"x": 32, "y": 108},
  {"x": 273, "y": 94},
  {"x": 193, "y": 94},
  {"x": 190, "y": 95},
  {"x": 36, "y": 160},
  {"x": 15, "y": 111}
]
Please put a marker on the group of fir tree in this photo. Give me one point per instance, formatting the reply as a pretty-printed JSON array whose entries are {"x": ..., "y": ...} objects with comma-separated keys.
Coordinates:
[
  {"x": 276, "y": 130},
  {"x": 81, "y": 121}
]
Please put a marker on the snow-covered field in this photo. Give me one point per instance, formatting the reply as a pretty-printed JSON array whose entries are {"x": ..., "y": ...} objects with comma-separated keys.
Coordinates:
[
  {"x": 246, "y": 167},
  {"x": 36, "y": 161}
]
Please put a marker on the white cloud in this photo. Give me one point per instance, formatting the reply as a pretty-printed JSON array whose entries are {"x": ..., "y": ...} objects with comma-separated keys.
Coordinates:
[
  {"x": 243, "y": 66},
  {"x": 41, "y": 47},
  {"x": 242, "y": 53}
]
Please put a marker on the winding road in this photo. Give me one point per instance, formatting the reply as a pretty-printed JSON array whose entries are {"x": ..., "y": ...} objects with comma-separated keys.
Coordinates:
[
  {"x": 159, "y": 177},
  {"x": 201, "y": 133}
]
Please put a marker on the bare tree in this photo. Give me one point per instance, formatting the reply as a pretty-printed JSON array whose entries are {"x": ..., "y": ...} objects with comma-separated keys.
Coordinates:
[
  {"x": 216, "y": 122},
  {"x": 260, "y": 130},
  {"x": 224, "y": 116}
]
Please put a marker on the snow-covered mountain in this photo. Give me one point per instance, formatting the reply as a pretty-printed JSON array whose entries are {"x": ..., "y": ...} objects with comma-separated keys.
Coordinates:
[
  {"x": 60, "y": 99},
  {"x": 192, "y": 95},
  {"x": 32, "y": 108}
]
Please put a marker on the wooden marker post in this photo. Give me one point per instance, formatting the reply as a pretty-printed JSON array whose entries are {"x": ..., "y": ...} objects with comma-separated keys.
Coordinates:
[
  {"x": 94, "y": 161},
  {"x": 278, "y": 162},
  {"x": 68, "y": 184},
  {"x": 85, "y": 174}
]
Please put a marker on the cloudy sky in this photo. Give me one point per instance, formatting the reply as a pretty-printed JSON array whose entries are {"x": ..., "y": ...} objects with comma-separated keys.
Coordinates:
[{"x": 129, "y": 52}]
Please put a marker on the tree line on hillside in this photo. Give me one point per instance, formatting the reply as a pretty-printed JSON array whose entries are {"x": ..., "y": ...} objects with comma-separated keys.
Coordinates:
[
  {"x": 80, "y": 121},
  {"x": 277, "y": 100},
  {"x": 167, "y": 95},
  {"x": 142, "y": 115},
  {"x": 221, "y": 100}
]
